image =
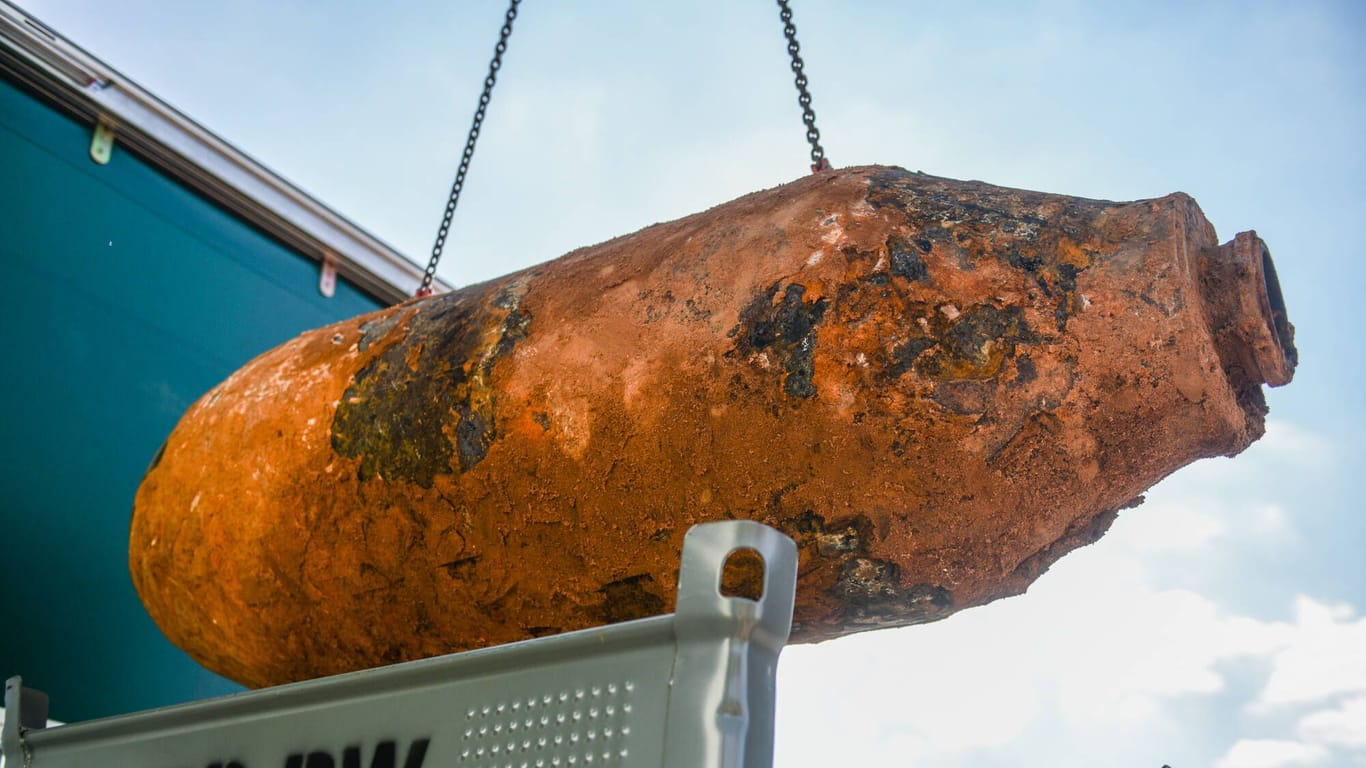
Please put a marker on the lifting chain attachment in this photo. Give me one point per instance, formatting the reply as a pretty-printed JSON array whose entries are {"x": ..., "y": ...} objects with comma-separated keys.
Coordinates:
[
  {"x": 498, "y": 50},
  {"x": 819, "y": 162}
]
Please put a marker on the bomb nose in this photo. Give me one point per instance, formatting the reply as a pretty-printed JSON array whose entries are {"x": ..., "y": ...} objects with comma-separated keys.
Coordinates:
[{"x": 1247, "y": 314}]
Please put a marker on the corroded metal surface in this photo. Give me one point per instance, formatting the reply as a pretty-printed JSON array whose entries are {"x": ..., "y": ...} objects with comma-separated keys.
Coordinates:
[{"x": 936, "y": 387}]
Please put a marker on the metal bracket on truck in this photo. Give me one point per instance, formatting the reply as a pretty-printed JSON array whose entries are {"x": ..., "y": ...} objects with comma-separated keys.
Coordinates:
[{"x": 691, "y": 689}]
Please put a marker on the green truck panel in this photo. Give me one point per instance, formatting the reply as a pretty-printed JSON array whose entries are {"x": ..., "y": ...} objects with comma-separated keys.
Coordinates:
[{"x": 127, "y": 297}]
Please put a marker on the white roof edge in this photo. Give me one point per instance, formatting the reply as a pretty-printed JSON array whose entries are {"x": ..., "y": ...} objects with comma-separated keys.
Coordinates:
[{"x": 195, "y": 155}]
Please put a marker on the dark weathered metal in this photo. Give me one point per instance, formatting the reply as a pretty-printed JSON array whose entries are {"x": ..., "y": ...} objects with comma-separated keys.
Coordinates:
[{"x": 936, "y": 387}]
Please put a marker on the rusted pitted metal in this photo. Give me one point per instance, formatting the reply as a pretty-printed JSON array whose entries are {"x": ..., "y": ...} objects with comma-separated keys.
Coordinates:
[
  {"x": 936, "y": 387},
  {"x": 1247, "y": 312}
]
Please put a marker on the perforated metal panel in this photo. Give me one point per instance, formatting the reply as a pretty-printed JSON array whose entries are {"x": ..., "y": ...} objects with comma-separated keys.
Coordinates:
[
  {"x": 587, "y": 725},
  {"x": 694, "y": 689}
]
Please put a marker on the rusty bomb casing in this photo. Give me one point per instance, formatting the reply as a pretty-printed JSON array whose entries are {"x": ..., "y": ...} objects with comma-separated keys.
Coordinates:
[{"x": 936, "y": 387}]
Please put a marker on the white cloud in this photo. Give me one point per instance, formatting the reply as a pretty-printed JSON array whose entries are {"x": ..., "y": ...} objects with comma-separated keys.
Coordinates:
[
  {"x": 1259, "y": 472},
  {"x": 985, "y": 677},
  {"x": 1272, "y": 753},
  {"x": 1269, "y": 520},
  {"x": 1342, "y": 727},
  {"x": 1140, "y": 646},
  {"x": 1326, "y": 657},
  {"x": 1287, "y": 441},
  {"x": 990, "y": 677},
  {"x": 1228, "y": 503},
  {"x": 912, "y": 693},
  {"x": 1169, "y": 526}
]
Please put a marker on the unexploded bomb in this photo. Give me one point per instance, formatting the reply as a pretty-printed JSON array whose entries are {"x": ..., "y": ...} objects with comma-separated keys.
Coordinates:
[{"x": 936, "y": 387}]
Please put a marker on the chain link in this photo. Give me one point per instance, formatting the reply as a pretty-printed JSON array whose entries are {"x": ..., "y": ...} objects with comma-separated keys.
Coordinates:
[
  {"x": 468, "y": 154},
  {"x": 818, "y": 160}
]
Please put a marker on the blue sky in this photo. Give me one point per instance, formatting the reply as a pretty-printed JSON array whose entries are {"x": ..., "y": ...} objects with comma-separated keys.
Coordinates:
[{"x": 1219, "y": 624}]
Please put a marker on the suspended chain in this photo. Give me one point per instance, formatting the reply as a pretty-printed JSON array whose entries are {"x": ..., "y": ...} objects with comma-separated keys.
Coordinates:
[
  {"x": 498, "y": 50},
  {"x": 818, "y": 160}
]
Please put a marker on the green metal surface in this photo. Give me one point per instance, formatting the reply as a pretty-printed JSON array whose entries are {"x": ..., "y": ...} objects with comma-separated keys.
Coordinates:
[{"x": 126, "y": 296}]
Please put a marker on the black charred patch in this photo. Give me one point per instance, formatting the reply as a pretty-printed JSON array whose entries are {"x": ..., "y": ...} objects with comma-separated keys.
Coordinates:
[
  {"x": 514, "y": 330},
  {"x": 473, "y": 435},
  {"x": 785, "y": 329},
  {"x": 905, "y": 259},
  {"x": 868, "y": 589},
  {"x": 979, "y": 324},
  {"x": 865, "y": 582},
  {"x": 634, "y": 597},
  {"x": 374, "y": 330},
  {"x": 931, "y": 597},
  {"x": 1068, "y": 303},
  {"x": 1025, "y": 370},
  {"x": 800, "y": 368},
  {"x": 424, "y": 401},
  {"x": 981, "y": 207},
  {"x": 460, "y": 568},
  {"x": 1057, "y": 280},
  {"x": 891, "y": 187},
  {"x": 1067, "y": 277},
  {"x": 975, "y": 343},
  {"x": 905, "y": 354},
  {"x": 831, "y": 540},
  {"x": 986, "y": 221},
  {"x": 808, "y": 522},
  {"x": 1029, "y": 262},
  {"x": 872, "y": 590}
]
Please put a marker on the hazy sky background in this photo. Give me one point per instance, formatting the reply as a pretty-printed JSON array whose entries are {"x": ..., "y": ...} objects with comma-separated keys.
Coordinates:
[{"x": 1220, "y": 624}]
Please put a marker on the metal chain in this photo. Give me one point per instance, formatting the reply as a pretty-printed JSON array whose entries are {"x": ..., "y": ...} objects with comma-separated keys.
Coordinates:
[
  {"x": 498, "y": 50},
  {"x": 818, "y": 160}
]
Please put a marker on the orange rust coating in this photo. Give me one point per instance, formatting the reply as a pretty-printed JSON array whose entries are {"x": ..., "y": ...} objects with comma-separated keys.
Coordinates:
[{"x": 936, "y": 387}]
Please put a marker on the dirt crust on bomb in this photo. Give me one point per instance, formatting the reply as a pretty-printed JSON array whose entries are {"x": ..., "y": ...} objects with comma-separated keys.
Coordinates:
[{"x": 936, "y": 387}]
